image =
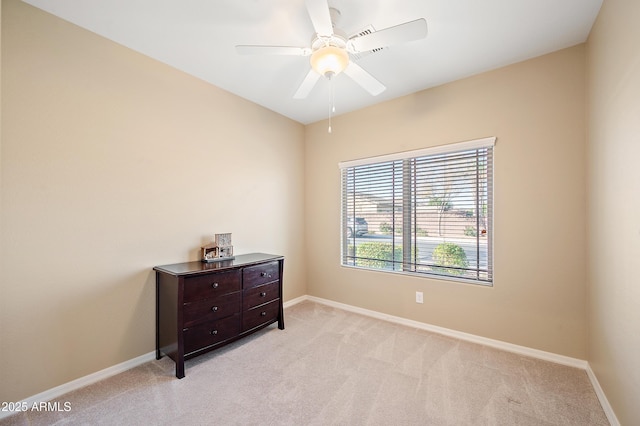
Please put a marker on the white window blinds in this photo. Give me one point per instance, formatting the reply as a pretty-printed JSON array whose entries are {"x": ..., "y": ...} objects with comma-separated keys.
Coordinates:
[{"x": 423, "y": 212}]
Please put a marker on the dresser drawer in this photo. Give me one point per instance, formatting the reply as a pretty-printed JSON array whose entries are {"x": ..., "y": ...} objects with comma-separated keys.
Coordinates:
[
  {"x": 260, "y": 274},
  {"x": 212, "y": 309},
  {"x": 260, "y": 295},
  {"x": 210, "y": 333},
  {"x": 260, "y": 315},
  {"x": 211, "y": 285}
]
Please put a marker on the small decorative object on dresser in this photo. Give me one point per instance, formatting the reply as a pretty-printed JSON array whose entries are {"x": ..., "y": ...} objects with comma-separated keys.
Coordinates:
[
  {"x": 220, "y": 249},
  {"x": 203, "y": 306}
]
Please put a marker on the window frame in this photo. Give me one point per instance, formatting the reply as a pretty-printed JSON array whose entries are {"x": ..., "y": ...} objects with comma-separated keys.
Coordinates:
[{"x": 447, "y": 149}]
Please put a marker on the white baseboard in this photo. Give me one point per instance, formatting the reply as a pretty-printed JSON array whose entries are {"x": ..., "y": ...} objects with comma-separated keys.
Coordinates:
[
  {"x": 509, "y": 347},
  {"x": 58, "y": 391},
  {"x": 608, "y": 410},
  {"x": 295, "y": 301}
]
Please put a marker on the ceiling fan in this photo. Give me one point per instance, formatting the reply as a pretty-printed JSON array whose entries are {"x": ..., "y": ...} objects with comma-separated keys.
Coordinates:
[{"x": 330, "y": 48}]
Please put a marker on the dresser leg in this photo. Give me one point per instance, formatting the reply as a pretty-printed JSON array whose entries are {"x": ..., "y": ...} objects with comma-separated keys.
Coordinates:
[
  {"x": 158, "y": 354},
  {"x": 281, "y": 318},
  {"x": 180, "y": 369}
]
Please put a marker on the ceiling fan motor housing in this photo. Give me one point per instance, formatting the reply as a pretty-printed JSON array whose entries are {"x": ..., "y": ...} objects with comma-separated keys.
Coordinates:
[{"x": 329, "y": 55}]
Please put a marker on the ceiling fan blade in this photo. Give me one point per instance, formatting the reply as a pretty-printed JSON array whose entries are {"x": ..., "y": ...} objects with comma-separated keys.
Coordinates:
[
  {"x": 273, "y": 50},
  {"x": 307, "y": 84},
  {"x": 409, "y": 31},
  {"x": 320, "y": 17},
  {"x": 364, "y": 79}
]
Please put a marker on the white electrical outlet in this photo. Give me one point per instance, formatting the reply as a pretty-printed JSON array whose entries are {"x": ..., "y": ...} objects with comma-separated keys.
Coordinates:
[{"x": 419, "y": 298}]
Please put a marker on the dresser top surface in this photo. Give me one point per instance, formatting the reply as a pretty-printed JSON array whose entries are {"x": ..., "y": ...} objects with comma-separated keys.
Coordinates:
[{"x": 198, "y": 267}]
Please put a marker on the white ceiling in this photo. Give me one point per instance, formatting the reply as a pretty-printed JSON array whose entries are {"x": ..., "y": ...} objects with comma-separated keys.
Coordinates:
[{"x": 465, "y": 37}]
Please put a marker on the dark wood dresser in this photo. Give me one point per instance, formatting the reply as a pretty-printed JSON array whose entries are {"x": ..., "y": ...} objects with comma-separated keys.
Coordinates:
[{"x": 203, "y": 306}]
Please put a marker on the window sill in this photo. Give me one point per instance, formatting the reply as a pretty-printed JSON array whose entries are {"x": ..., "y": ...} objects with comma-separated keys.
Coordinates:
[{"x": 424, "y": 275}]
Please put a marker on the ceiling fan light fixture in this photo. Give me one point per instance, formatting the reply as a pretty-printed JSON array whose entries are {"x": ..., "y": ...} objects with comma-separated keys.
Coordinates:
[{"x": 329, "y": 60}]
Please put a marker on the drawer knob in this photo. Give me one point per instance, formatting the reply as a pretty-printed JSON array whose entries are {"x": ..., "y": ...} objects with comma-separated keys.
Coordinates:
[
  {"x": 215, "y": 308},
  {"x": 214, "y": 332},
  {"x": 264, "y": 274},
  {"x": 215, "y": 285},
  {"x": 263, "y": 294},
  {"x": 263, "y": 314}
]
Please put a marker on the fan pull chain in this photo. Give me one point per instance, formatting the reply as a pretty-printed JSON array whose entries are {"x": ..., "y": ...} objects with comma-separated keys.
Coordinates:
[{"x": 332, "y": 101}]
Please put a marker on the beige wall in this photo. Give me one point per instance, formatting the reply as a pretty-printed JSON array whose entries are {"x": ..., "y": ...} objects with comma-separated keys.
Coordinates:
[
  {"x": 536, "y": 109},
  {"x": 613, "y": 205},
  {"x": 113, "y": 163}
]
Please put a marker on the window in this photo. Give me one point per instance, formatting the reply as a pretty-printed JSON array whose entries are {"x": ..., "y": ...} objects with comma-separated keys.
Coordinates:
[{"x": 426, "y": 212}]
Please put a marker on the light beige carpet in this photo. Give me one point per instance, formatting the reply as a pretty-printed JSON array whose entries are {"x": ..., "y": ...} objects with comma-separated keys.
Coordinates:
[{"x": 331, "y": 367}]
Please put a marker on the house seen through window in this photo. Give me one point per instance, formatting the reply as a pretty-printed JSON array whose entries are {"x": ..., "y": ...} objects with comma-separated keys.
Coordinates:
[{"x": 421, "y": 212}]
